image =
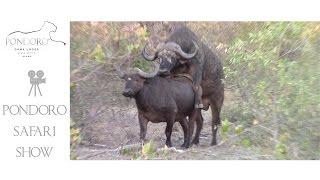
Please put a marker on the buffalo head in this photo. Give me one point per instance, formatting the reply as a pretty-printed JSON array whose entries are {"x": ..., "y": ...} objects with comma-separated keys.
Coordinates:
[
  {"x": 169, "y": 54},
  {"x": 134, "y": 81}
]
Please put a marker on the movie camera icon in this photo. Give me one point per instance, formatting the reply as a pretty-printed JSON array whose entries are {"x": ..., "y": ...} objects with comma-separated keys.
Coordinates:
[{"x": 35, "y": 81}]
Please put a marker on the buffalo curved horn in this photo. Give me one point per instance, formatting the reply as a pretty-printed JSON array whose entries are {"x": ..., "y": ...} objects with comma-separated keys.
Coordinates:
[
  {"x": 155, "y": 55},
  {"x": 146, "y": 56},
  {"x": 145, "y": 74},
  {"x": 177, "y": 48}
]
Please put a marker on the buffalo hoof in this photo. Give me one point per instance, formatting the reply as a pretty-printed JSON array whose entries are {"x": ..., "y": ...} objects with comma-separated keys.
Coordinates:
[
  {"x": 142, "y": 141},
  {"x": 213, "y": 143},
  {"x": 168, "y": 144},
  {"x": 185, "y": 145},
  {"x": 195, "y": 141}
]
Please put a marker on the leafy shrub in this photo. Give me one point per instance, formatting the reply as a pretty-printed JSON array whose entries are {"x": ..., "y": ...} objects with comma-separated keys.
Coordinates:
[{"x": 275, "y": 69}]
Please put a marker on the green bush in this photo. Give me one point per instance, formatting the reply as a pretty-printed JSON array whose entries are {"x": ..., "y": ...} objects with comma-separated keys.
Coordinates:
[{"x": 275, "y": 69}]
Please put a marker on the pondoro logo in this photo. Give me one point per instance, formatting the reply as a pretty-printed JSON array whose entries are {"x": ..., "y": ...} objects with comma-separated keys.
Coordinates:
[{"x": 27, "y": 44}]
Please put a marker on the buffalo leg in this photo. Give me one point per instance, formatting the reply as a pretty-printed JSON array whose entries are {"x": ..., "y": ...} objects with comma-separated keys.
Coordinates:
[
  {"x": 143, "y": 122},
  {"x": 215, "y": 122},
  {"x": 195, "y": 71},
  {"x": 199, "y": 121},
  {"x": 192, "y": 119},
  {"x": 169, "y": 132},
  {"x": 198, "y": 97},
  {"x": 184, "y": 124}
]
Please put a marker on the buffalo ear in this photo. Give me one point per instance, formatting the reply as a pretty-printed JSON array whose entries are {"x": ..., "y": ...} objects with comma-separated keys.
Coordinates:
[
  {"x": 125, "y": 77},
  {"x": 143, "y": 80}
]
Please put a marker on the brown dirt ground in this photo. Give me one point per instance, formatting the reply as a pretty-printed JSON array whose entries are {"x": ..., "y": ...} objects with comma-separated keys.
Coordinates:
[{"x": 114, "y": 135}]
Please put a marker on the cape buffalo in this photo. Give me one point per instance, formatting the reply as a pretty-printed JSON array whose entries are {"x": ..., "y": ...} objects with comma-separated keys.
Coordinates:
[
  {"x": 184, "y": 53},
  {"x": 161, "y": 99}
]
